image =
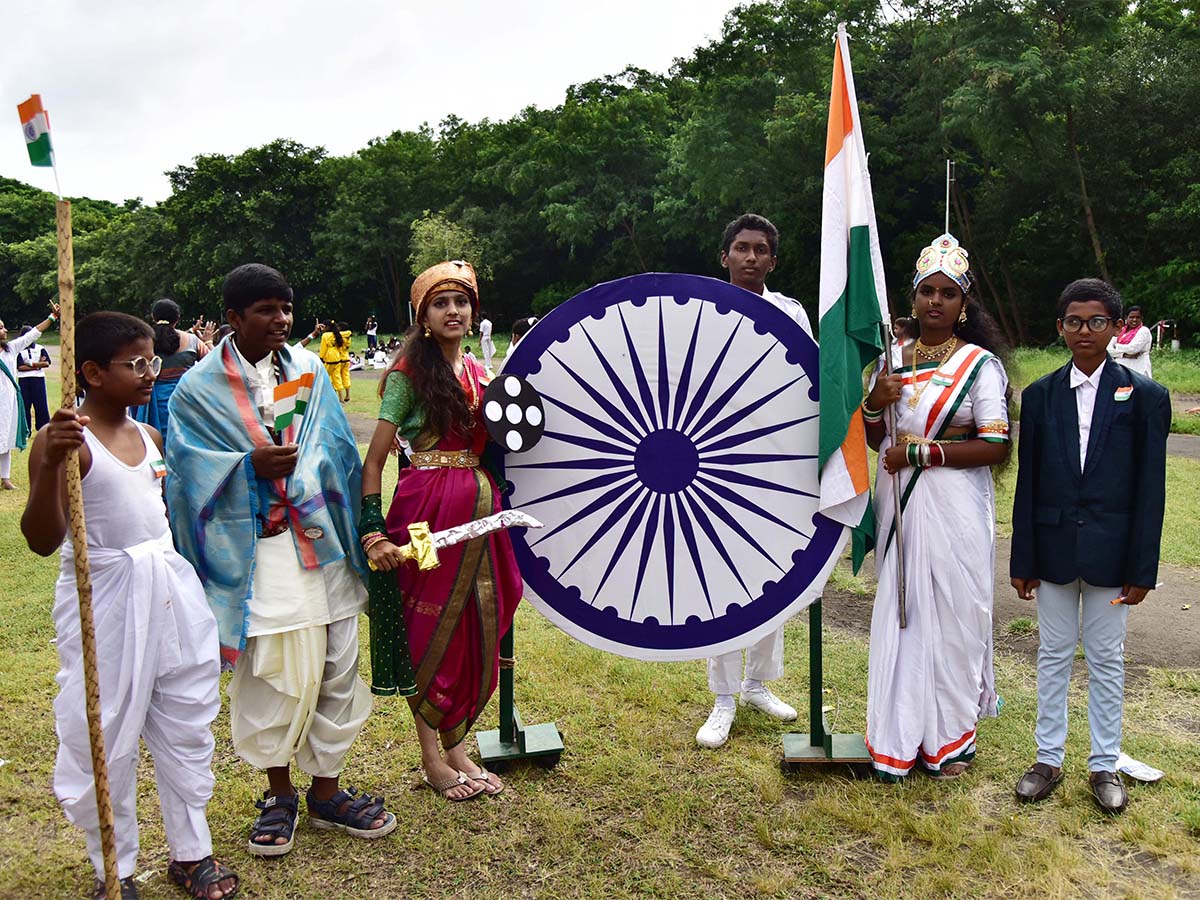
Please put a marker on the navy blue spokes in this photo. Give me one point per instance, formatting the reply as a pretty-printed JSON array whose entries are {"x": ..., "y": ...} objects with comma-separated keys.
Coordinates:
[
  {"x": 707, "y": 382},
  {"x": 743, "y": 413},
  {"x": 736, "y": 440},
  {"x": 587, "y": 419},
  {"x": 706, "y": 527},
  {"x": 619, "y": 510},
  {"x": 609, "y": 497},
  {"x": 689, "y": 538},
  {"x": 647, "y": 544},
  {"x": 639, "y": 372},
  {"x": 635, "y": 519},
  {"x": 664, "y": 387},
  {"x": 751, "y": 481},
  {"x": 685, "y": 374},
  {"x": 588, "y": 443},
  {"x": 718, "y": 509},
  {"x": 738, "y": 500},
  {"x": 603, "y": 402},
  {"x": 618, "y": 386}
]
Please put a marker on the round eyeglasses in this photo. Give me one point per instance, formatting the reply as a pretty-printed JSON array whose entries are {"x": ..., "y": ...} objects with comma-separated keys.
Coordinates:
[
  {"x": 1074, "y": 324},
  {"x": 141, "y": 365}
]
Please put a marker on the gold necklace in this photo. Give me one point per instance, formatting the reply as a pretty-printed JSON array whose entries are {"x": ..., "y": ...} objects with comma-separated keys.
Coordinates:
[
  {"x": 938, "y": 351},
  {"x": 933, "y": 354}
]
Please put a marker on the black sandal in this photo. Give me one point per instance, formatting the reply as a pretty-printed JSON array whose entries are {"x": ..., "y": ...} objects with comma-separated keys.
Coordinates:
[
  {"x": 277, "y": 820},
  {"x": 356, "y": 819},
  {"x": 129, "y": 890},
  {"x": 203, "y": 876}
]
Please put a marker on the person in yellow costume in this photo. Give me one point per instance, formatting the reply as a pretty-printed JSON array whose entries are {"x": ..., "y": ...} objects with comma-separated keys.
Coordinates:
[{"x": 335, "y": 353}]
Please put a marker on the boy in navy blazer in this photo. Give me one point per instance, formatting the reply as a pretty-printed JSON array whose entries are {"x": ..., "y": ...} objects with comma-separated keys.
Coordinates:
[{"x": 1087, "y": 519}]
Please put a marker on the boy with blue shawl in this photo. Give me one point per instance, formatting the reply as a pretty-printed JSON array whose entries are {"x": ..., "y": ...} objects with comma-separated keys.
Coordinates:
[{"x": 263, "y": 490}]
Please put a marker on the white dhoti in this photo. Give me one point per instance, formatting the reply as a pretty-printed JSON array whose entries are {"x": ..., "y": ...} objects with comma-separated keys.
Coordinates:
[
  {"x": 152, "y": 686},
  {"x": 295, "y": 693}
]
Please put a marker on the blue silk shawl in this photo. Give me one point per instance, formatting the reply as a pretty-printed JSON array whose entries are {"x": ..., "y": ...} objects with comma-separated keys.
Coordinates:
[{"x": 215, "y": 500}]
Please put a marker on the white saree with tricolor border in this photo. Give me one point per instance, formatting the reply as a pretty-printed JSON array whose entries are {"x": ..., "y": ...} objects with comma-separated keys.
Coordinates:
[{"x": 931, "y": 682}]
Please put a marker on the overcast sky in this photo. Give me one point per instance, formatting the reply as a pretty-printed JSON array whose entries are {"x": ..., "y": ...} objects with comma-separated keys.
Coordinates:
[{"x": 136, "y": 88}]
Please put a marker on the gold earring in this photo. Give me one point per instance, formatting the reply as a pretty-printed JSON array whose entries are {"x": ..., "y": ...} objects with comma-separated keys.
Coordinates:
[
  {"x": 962, "y": 315},
  {"x": 470, "y": 329},
  {"x": 428, "y": 333},
  {"x": 913, "y": 312}
]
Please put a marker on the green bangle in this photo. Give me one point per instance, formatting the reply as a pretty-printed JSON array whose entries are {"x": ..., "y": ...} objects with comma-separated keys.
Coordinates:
[
  {"x": 53, "y": 318},
  {"x": 910, "y": 453}
]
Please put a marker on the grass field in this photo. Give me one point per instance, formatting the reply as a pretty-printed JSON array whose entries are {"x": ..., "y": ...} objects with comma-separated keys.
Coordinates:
[{"x": 635, "y": 809}]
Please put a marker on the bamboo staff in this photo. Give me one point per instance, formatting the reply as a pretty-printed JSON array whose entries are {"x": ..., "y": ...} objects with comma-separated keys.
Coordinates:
[{"x": 83, "y": 578}]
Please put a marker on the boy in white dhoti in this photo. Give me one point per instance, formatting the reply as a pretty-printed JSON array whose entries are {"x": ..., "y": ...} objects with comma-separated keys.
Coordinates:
[{"x": 156, "y": 638}]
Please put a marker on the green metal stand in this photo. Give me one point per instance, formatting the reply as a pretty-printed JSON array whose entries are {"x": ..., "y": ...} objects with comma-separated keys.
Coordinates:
[
  {"x": 515, "y": 740},
  {"x": 819, "y": 746}
]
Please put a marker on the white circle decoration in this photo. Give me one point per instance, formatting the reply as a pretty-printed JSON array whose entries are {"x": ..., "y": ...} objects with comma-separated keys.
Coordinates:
[
  {"x": 533, "y": 416},
  {"x": 513, "y": 413},
  {"x": 493, "y": 411},
  {"x": 514, "y": 441},
  {"x": 512, "y": 386}
]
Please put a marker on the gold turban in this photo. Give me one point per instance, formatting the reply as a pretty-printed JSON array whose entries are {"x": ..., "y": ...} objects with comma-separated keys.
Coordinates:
[{"x": 445, "y": 276}]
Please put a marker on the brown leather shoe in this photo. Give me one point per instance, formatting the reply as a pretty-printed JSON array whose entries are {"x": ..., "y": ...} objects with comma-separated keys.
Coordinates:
[
  {"x": 1109, "y": 791},
  {"x": 1038, "y": 783}
]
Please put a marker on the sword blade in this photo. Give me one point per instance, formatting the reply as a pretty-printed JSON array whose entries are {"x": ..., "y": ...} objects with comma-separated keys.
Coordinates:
[{"x": 509, "y": 518}]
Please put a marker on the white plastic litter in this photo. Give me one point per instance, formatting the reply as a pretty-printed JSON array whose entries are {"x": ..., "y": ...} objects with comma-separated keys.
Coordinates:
[{"x": 1138, "y": 770}]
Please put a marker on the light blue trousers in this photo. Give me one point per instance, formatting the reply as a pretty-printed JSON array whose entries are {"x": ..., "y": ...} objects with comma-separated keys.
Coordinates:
[{"x": 1103, "y": 630}]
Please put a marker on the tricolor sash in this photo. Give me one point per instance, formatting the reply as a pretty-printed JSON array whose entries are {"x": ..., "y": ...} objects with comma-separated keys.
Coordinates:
[{"x": 943, "y": 389}]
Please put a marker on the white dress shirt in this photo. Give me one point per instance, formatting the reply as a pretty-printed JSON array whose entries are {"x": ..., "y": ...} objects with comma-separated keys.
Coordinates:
[
  {"x": 789, "y": 306},
  {"x": 263, "y": 381},
  {"x": 1085, "y": 388}
]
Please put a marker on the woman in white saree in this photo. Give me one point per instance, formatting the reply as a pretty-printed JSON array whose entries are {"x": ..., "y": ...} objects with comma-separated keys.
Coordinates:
[{"x": 930, "y": 682}]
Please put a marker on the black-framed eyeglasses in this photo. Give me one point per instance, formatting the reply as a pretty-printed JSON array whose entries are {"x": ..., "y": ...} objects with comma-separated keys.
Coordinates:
[
  {"x": 141, "y": 365},
  {"x": 1074, "y": 324}
]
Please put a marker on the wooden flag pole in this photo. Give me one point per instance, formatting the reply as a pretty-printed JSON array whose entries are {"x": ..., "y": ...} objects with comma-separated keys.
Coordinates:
[{"x": 83, "y": 578}]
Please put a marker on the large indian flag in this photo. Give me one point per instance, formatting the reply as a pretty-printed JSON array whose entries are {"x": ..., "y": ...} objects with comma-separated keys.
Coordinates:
[
  {"x": 35, "y": 123},
  {"x": 853, "y": 303}
]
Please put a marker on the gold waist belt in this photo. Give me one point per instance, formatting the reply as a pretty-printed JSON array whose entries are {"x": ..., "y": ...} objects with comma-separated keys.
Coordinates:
[
  {"x": 452, "y": 459},
  {"x": 906, "y": 438}
]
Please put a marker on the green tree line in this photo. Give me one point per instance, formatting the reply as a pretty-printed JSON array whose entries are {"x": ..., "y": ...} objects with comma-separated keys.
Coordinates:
[{"x": 1072, "y": 123}]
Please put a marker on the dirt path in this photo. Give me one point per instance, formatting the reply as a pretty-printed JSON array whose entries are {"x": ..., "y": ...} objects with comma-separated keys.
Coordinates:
[{"x": 1160, "y": 632}]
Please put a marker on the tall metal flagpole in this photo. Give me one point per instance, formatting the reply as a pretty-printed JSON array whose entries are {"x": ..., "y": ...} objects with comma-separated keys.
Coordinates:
[{"x": 901, "y": 587}]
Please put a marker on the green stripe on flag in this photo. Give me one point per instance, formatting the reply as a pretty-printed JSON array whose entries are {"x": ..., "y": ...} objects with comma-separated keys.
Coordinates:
[
  {"x": 850, "y": 341},
  {"x": 39, "y": 151}
]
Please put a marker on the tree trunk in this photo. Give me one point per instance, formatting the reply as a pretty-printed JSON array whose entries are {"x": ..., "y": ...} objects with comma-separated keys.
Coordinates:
[
  {"x": 637, "y": 251},
  {"x": 1083, "y": 196},
  {"x": 964, "y": 216},
  {"x": 1022, "y": 335}
]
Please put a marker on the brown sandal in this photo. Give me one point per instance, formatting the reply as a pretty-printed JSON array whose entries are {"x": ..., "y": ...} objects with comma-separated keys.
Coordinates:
[{"x": 459, "y": 779}]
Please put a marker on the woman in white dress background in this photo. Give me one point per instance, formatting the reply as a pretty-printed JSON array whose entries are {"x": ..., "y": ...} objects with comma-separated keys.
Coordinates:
[
  {"x": 14, "y": 428},
  {"x": 1131, "y": 348}
]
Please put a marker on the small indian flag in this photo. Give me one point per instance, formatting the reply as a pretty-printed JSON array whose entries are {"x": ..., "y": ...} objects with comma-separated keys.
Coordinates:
[
  {"x": 159, "y": 468},
  {"x": 941, "y": 379},
  {"x": 291, "y": 399},
  {"x": 1123, "y": 393},
  {"x": 36, "y": 124},
  {"x": 853, "y": 303}
]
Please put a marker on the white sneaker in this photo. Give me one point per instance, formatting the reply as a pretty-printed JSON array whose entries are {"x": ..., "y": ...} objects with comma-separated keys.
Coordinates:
[
  {"x": 763, "y": 699},
  {"x": 715, "y": 731}
]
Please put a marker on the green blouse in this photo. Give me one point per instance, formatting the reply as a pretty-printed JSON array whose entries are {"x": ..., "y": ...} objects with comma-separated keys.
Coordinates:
[{"x": 401, "y": 407}]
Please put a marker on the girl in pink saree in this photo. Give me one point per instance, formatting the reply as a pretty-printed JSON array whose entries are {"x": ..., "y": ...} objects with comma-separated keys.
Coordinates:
[{"x": 455, "y": 614}]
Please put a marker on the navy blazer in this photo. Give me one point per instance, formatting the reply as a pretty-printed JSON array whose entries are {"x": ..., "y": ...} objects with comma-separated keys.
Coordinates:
[{"x": 1102, "y": 525}]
